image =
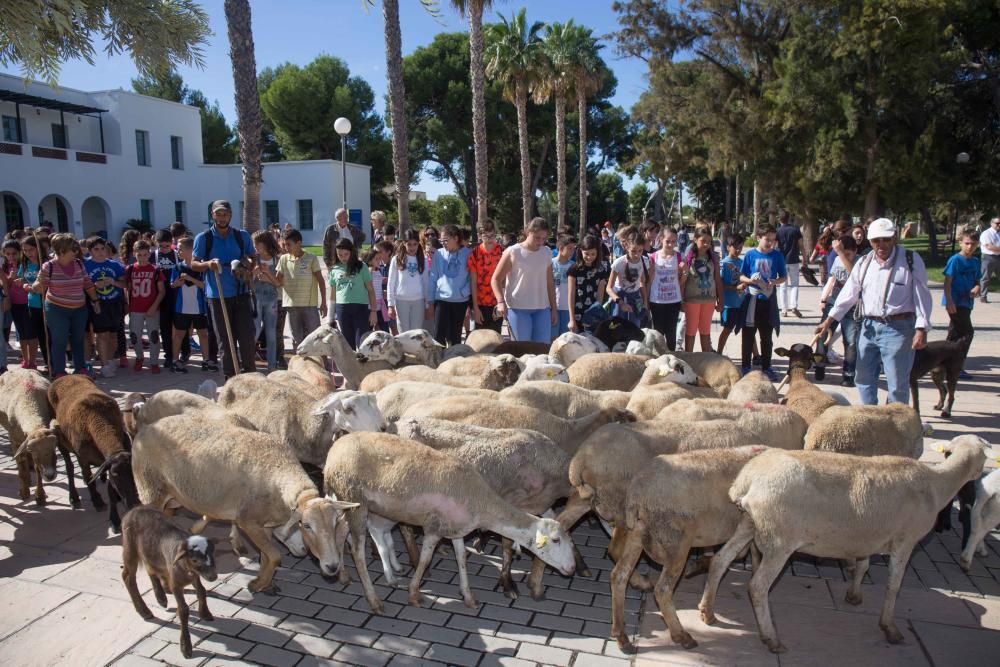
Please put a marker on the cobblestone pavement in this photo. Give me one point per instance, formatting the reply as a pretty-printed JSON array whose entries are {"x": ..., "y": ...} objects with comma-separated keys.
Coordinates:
[{"x": 64, "y": 603}]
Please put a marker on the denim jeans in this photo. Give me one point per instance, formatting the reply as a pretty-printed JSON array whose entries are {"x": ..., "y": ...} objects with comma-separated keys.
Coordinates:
[
  {"x": 66, "y": 325},
  {"x": 890, "y": 343},
  {"x": 531, "y": 324},
  {"x": 267, "y": 320},
  {"x": 849, "y": 329}
]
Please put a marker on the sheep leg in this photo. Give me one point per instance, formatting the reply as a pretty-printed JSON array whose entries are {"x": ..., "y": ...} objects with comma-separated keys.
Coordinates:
[
  {"x": 158, "y": 592},
  {"x": 410, "y": 541},
  {"x": 182, "y": 616},
  {"x": 24, "y": 477},
  {"x": 380, "y": 530},
  {"x": 760, "y": 583},
  {"x": 115, "y": 518},
  {"x": 721, "y": 561},
  {"x": 203, "y": 612},
  {"x": 985, "y": 506},
  {"x": 620, "y": 574},
  {"x": 506, "y": 582},
  {"x": 853, "y": 595},
  {"x": 236, "y": 541},
  {"x": 669, "y": 576},
  {"x": 426, "y": 553},
  {"x": 574, "y": 510},
  {"x": 95, "y": 495},
  {"x": 637, "y": 581},
  {"x": 270, "y": 558},
  {"x": 897, "y": 567},
  {"x": 129, "y": 567},
  {"x": 458, "y": 544},
  {"x": 357, "y": 522},
  {"x": 74, "y": 497},
  {"x": 39, "y": 490}
]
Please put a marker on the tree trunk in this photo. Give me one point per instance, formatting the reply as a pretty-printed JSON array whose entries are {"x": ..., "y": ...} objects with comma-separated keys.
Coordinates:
[
  {"x": 248, "y": 117},
  {"x": 537, "y": 177},
  {"x": 737, "y": 211},
  {"x": 925, "y": 213},
  {"x": 729, "y": 198},
  {"x": 581, "y": 110},
  {"x": 561, "y": 158},
  {"x": 397, "y": 111},
  {"x": 521, "y": 100},
  {"x": 756, "y": 205},
  {"x": 478, "y": 103}
]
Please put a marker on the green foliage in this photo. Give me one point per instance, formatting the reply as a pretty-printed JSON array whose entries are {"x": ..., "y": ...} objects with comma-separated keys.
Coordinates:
[
  {"x": 446, "y": 210},
  {"x": 302, "y": 103},
  {"x": 607, "y": 199},
  {"x": 139, "y": 225},
  {"x": 637, "y": 198},
  {"x": 40, "y": 36}
]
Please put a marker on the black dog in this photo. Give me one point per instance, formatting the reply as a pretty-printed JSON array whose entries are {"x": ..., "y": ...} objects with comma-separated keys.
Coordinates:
[
  {"x": 944, "y": 360},
  {"x": 617, "y": 330}
]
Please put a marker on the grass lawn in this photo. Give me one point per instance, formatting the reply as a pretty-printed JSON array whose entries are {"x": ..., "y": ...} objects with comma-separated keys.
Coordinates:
[{"x": 314, "y": 249}]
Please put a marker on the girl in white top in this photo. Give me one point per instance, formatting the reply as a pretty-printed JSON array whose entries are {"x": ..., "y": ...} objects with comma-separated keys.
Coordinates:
[
  {"x": 524, "y": 287},
  {"x": 628, "y": 285},
  {"x": 408, "y": 286},
  {"x": 665, "y": 287}
]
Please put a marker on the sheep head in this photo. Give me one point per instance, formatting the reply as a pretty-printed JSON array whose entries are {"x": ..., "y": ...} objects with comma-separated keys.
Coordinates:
[
  {"x": 41, "y": 445},
  {"x": 617, "y": 330},
  {"x": 553, "y": 545},
  {"x": 416, "y": 341},
  {"x": 380, "y": 346},
  {"x": 323, "y": 341},
  {"x": 352, "y": 411},
  {"x": 196, "y": 555},
  {"x": 640, "y": 348},
  {"x": 801, "y": 356},
  {"x": 543, "y": 371},
  {"x": 570, "y": 346},
  {"x": 120, "y": 478},
  {"x": 671, "y": 369},
  {"x": 503, "y": 372},
  {"x": 655, "y": 341},
  {"x": 324, "y": 529}
]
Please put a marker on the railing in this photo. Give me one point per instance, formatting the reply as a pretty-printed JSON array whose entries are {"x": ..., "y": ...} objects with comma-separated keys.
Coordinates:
[
  {"x": 54, "y": 153},
  {"x": 95, "y": 158},
  {"x": 12, "y": 148}
]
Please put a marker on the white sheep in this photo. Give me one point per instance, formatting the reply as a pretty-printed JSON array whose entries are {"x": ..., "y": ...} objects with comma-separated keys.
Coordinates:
[
  {"x": 656, "y": 342},
  {"x": 543, "y": 367},
  {"x": 210, "y": 389},
  {"x": 674, "y": 503},
  {"x": 612, "y": 370},
  {"x": 226, "y": 473},
  {"x": 775, "y": 425},
  {"x": 639, "y": 347},
  {"x": 381, "y": 346},
  {"x": 754, "y": 387},
  {"x": 326, "y": 341},
  {"x": 141, "y": 410},
  {"x": 483, "y": 340},
  {"x": 562, "y": 399},
  {"x": 308, "y": 426},
  {"x": 295, "y": 381},
  {"x": 669, "y": 368},
  {"x": 401, "y": 481},
  {"x": 838, "y": 506},
  {"x": 808, "y": 400},
  {"x": 25, "y": 415},
  {"x": 985, "y": 517},
  {"x": 717, "y": 371},
  {"x": 312, "y": 371},
  {"x": 570, "y": 346},
  {"x": 868, "y": 430},
  {"x": 524, "y": 467},
  {"x": 420, "y": 346},
  {"x": 647, "y": 401},
  {"x": 499, "y": 372},
  {"x": 459, "y": 350},
  {"x": 395, "y": 399}
]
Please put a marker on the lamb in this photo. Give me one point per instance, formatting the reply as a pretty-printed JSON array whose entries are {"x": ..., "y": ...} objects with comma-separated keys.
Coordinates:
[
  {"x": 754, "y": 387},
  {"x": 718, "y": 371},
  {"x": 567, "y": 433},
  {"x": 226, "y": 473},
  {"x": 311, "y": 370},
  {"x": 837, "y": 506},
  {"x": 674, "y": 503},
  {"x": 868, "y": 430},
  {"x": 395, "y": 399},
  {"x": 483, "y": 340},
  {"x": 524, "y": 467},
  {"x": 570, "y": 346},
  {"x": 89, "y": 422},
  {"x": 502, "y": 371},
  {"x": 563, "y": 399},
  {"x": 173, "y": 559},
  {"x": 808, "y": 400},
  {"x": 774, "y": 425},
  {"x": 985, "y": 517},
  {"x": 401, "y": 481},
  {"x": 25, "y": 415},
  {"x": 613, "y": 370},
  {"x": 308, "y": 426}
]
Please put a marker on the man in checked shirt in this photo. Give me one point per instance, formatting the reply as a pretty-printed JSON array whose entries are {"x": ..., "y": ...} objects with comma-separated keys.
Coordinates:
[{"x": 895, "y": 304}]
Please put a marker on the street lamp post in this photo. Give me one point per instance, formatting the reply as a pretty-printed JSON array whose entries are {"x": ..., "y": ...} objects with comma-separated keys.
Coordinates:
[{"x": 343, "y": 128}]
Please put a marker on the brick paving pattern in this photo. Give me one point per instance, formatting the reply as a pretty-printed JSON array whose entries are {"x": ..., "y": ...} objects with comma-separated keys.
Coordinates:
[{"x": 64, "y": 601}]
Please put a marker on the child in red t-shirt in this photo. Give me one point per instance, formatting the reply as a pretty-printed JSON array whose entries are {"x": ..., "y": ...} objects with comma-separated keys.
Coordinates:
[{"x": 144, "y": 283}]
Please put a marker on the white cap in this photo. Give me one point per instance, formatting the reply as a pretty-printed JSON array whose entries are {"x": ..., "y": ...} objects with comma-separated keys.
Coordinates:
[{"x": 883, "y": 228}]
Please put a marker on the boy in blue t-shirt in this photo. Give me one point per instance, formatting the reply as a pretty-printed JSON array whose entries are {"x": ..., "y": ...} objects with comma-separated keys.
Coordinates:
[
  {"x": 961, "y": 287},
  {"x": 732, "y": 289},
  {"x": 762, "y": 270},
  {"x": 561, "y": 264},
  {"x": 108, "y": 277}
]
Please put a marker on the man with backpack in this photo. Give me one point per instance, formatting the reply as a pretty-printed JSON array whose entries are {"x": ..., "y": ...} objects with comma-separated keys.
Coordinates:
[
  {"x": 890, "y": 288},
  {"x": 215, "y": 252}
]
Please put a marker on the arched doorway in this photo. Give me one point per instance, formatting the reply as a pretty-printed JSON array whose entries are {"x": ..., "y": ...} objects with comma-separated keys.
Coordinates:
[
  {"x": 55, "y": 210},
  {"x": 96, "y": 217},
  {"x": 15, "y": 211}
]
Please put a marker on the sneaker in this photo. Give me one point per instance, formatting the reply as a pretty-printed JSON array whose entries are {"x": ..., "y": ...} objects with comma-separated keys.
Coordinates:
[
  {"x": 154, "y": 369},
  {"x": 848, "y": 381},
  {"x": 195, "y": 347},
  {"x": 178, "y": 368},
  {"x": 745, "y": 370},
  {"x": 137, "y": 366},
  {"x": 796, "y": 313},
  {"x": 123, "y": 361},
  {"x": 983, "y": 299},
  {"x": 771, "y": 375},
  {"x": 784, "y": 314},
  {"x": 964, "y": 375},
  {"x": 833, "y": 357},
  {"x": 210, "y": 366},
  {"x": 107, "y": 371},
  {"x": 167, "y": 364}
]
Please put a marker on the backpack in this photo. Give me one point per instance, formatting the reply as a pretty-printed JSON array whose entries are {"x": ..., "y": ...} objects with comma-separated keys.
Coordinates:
[{"x": 241, "y": 286}]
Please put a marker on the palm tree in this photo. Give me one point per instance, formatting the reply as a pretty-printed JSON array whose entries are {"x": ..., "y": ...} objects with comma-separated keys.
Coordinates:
[
  {"x": 475, "y": 9},
  {"x": 587, "y": 71},
  {"x": 559, "y": 47},
  {"x": 248, "y": 117},
  {"x": 397, "y": 111},
  {"x": 514, "y": 56}
]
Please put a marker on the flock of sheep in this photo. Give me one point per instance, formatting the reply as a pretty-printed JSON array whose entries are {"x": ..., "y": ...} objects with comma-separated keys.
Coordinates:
[{"x": 670, "y": 451}]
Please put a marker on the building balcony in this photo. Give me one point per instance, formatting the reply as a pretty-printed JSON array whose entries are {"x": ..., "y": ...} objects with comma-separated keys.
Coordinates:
[{"x": 48, "y": 152}]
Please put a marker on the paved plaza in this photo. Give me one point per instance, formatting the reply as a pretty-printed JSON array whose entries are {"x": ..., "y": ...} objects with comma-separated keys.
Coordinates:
[{"x": 63, "y": 602}]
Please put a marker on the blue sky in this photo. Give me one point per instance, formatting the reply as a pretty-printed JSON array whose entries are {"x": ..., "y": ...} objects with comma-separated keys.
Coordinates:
[{"x": 299, "y": 30}]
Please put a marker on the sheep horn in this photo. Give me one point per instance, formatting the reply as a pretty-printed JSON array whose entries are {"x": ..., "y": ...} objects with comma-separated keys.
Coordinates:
[{"x": 22, "y": 450}]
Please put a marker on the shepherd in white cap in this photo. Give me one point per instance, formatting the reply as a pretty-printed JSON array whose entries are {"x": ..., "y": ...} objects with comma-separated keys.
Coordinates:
[{"x": 890, "y": 288}]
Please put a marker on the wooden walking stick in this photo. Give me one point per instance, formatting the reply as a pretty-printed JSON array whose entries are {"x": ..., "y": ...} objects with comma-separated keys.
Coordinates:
[
  {"x": 45, "y": 323},
  {"x": 225, "y": 319}
]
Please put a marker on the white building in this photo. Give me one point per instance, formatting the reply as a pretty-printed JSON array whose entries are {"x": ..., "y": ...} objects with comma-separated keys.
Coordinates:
[{"x": 89, "y": 162}]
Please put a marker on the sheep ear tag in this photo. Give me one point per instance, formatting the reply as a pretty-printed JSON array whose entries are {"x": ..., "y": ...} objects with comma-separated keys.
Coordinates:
[
  {"x": 613, "y": 325},
  {"x": 664, "y": 372},
  {"x": 540, "y": 540},
  {"x": 550, "y": 373}
]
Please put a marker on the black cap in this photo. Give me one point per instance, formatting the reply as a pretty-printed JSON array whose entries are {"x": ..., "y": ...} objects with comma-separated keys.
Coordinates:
[{"x": 221, "y": 204}]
